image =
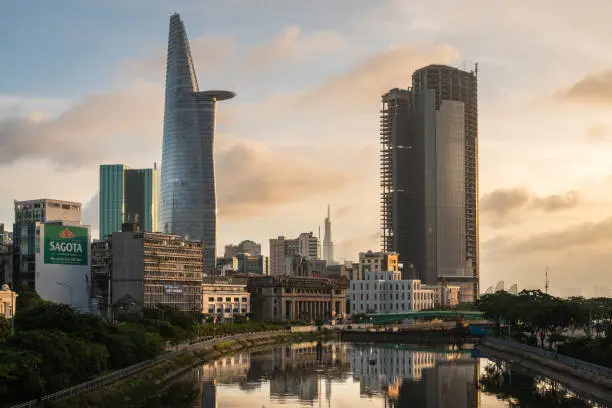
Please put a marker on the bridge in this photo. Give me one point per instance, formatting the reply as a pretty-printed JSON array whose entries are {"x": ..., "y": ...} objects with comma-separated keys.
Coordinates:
[{"x": 395, "y": 317}]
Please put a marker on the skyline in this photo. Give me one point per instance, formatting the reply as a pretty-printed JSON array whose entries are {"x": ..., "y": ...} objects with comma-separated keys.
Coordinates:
[{"x": 309, "y": 104}]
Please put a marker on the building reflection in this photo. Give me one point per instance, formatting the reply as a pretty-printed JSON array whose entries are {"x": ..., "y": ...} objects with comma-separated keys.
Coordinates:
[
  {"x": 307, "y": 372},
  {"x": 414, "y": 378}
]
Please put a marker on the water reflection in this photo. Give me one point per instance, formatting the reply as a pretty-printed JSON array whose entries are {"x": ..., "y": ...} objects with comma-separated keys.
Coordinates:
[{"x": 355, "y": 376}]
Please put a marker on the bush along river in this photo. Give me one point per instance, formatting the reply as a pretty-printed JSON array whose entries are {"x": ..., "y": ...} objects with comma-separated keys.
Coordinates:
[{"x": 330, "y": 374}]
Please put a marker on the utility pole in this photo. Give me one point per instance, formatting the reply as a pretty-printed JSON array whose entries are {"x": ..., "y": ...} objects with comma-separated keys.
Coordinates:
[{"x": 546, "y": 282}]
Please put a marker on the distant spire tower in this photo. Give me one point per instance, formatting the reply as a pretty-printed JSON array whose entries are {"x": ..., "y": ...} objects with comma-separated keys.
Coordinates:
[{"x": 328, "y": 246}]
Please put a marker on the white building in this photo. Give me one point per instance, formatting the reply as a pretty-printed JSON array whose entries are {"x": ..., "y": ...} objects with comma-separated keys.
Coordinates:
[
  {"x": 385, "y": 292},
  {"x": 225, "y": 296},
  {"x": 445, "y": 295},
  {"x": 63, "y": 259}
]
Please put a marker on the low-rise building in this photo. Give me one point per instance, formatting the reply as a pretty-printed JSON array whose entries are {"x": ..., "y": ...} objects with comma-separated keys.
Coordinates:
[
  {"x": 8, "y": 302},
  {"x": 297, "y": 298},
  {"x": 225, "y": 296},
  {"x": 385, "y": 292},
  {"x": 445, "y": 295}
]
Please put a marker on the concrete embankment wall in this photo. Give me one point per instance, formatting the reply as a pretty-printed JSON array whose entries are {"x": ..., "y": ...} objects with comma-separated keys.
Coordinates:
[
  {"x": 406, "y": 337},
  {"x": 579, "y": 375}
]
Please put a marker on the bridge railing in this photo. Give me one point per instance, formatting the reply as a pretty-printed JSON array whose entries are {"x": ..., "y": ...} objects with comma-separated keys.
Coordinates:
[
  {"x": 126, "y": 372},
  {"x": 569, "y": 361}
]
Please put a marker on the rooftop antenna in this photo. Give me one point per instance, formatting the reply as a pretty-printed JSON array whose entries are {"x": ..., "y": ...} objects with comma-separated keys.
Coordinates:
[
  {"x": 546, "y": 282},
  {"x": 476, "y": 68}
]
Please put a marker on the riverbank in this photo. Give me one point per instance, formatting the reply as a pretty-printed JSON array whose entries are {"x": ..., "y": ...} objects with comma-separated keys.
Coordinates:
[
  {"x": 148, "y": 385},
  {"x": 588, "y": 381}
]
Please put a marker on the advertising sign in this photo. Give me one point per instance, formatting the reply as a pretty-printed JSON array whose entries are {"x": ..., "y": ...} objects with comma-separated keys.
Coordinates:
[
  {"x": 65, "y": 245},
  {"x": 172, "y": 289}
]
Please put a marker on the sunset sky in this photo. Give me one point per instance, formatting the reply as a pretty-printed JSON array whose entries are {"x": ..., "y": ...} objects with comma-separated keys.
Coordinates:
[{"x": 81, "y": 84}]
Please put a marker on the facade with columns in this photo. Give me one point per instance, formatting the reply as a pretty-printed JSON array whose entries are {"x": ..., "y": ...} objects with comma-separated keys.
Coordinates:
[{"x": 297, "y": 298}]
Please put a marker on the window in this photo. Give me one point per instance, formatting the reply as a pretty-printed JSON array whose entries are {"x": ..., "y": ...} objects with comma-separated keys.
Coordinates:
[
  {"x": 244, "y": 300},
  {"x": 211, "y": 310},
  {"x": 219, "y": 299},
  {"x": 211, "y": 299},
  {"x": 228, "y": 299},
  {"x": 236, "y": 299}
]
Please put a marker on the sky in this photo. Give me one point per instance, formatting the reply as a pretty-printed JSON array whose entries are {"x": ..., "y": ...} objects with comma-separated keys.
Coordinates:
[{"x": 82, "y": 85}]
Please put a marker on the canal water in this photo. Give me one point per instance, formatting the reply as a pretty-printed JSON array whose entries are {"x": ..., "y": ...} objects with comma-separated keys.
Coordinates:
[{"x": 345, "y": 375}]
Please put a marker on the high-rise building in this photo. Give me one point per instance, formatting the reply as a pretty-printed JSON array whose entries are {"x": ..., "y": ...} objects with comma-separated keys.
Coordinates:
[
  {"x": 429, "y": 177},
  {"x": 26, "y": 243},
  {"x": 128, "y": 195},
  {"x": 245, "y": 247},
  {"x": 188, "y": 205},
  {"x": 282, "y": 251},
  {"x": 328, "y": 245}
]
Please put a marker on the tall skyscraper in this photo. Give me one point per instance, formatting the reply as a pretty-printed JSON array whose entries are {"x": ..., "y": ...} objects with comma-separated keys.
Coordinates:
[
  {"x": 128, "y": 195},
  {"x": 188, "y": 204},
  {"x": 328, "y": 245},
  {"x": 429, "y": 177}
]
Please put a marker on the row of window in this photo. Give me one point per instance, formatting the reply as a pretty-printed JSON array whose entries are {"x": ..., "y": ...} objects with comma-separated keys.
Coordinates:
[
  {"x": 227, "y": 299},
  {"x": 228, "y": 310}
]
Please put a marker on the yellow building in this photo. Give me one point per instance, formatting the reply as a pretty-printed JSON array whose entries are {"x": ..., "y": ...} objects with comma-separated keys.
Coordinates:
[{"x": 8, "y": 302}]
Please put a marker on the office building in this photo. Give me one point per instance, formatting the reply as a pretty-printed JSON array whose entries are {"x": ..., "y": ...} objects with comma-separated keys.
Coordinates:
[
  {"x": 328, "y": 245},
  {"x": 304, "y": 267},
  {"x": 147, "y": 269},
  {"x": 128, "y": 195},
  {"x": 245, "y": 247},
  {"x": 293, "y": 298},
  {"x": 282, "y": 251},
  {"x": 188, "y": 203},
  {"x": 6, "y": 263},
  {"x": 225, "y": 296},
  {"x": 253, "y": 264},
  {"x": 377, "y": 262},
  {"x": 25, "y": 240},
  {"x": 385, "y": 292},
  {"x": 429, "y": 177},
  {"x": 225, "y": 265}
]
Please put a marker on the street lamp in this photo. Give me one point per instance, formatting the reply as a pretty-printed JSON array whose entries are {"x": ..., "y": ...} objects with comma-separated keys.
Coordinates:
[{"x": 69, "y": 288}]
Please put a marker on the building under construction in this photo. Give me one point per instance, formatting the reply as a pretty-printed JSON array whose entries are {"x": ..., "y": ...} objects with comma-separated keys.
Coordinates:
[{"x": 429, "y": 177}]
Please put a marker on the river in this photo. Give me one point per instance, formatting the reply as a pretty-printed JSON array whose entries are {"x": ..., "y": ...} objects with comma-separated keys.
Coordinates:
[{"x": 345, "y": 375}]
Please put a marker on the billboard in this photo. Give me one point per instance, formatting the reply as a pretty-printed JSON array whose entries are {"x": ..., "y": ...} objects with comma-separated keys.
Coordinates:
[
  {"x": 173, "y": 289},
  {"x": 64, "y": 245}
]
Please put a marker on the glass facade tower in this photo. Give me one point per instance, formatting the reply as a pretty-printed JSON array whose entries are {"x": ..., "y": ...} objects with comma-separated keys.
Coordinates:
[
  {"x": 128, "y": 195},
  {"x": 188, "y": 204}
]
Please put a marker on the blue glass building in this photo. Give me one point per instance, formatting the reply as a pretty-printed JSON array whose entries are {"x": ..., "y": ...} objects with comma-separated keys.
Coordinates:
[
  {"x": 128, "y": 195},
  {"x": 188, "y": 204}
]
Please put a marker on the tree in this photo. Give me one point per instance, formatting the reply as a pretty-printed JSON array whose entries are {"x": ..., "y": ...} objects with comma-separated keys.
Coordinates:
[{"x": 5, "y": 329}]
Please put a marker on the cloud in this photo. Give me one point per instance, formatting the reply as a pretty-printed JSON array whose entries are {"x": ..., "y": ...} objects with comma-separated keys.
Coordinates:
[
  {"x": 93, "y": 129},
  {"x": 593, "y": 88},
  {"x": 358, "y": 244},
  {"x": 91, "y": 212},
  {"x": 252, "y": 179},
  {"x": 504, "y": 201},
  {"x": 556, "y": 202},
  {"x": 342, "y": 211},
  {"x": 584, "y": 235},
  {"x": 292, "y": 43},
  {"x": 597, "y": 133},
  {"x": 500, "y": 207},
  {"x": 364, "y": 84}
]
